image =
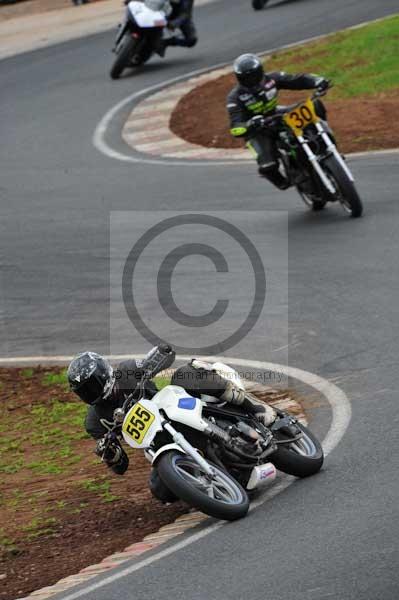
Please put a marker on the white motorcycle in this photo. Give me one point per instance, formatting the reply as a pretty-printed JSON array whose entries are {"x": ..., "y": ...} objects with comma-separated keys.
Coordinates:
[
  {"x": 208, "y": 454},
  {"x": 140, "y": 34}
]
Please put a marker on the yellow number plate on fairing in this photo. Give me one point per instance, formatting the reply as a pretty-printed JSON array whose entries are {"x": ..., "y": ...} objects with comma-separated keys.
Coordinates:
[
  {"x": 138, "y": 422},
  {"x": 304, "y": 114}
]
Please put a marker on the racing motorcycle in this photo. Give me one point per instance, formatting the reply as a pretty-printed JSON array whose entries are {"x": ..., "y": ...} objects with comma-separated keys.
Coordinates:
[
  {"x": 140, "y": 34},
  {"x": 211, "y": 455},
  {"x": 307, "y": 150}
]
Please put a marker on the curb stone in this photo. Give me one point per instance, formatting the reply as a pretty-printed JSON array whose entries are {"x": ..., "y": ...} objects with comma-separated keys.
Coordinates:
[
  {"x": 167, "y": 532},
  {"x": 139, "y": 133}
]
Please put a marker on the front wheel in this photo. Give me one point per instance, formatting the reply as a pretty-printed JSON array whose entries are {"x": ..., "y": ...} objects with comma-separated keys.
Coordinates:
[
  {"x": 301, "y": 458},
  {"x": 346, "y": 190},
  {"x": 221, "y": 496},
  {"x": 259, "y": 4},
  {"x": 123, "y": 57}
]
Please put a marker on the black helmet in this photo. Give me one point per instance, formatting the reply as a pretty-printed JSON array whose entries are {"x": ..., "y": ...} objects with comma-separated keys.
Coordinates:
[
  {"x": 248, "y": 69},
  {"x": 91, "y": 377}
]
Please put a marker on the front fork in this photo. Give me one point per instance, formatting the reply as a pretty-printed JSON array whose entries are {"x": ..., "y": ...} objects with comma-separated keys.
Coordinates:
[
  {"x": 181, "y": 441},
  {"x": 331, "y": 149},
  {"x": 122, "y": 28},
  {"x": 315, "y": 164}
]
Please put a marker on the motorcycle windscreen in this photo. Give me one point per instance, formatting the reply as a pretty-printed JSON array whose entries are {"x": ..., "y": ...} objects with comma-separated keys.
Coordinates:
[{"x": 145, "y": 17}]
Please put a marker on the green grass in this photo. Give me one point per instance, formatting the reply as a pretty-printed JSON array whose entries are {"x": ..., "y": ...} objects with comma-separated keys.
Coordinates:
[
  {"x": 100, "y": 486},
  {"x": 51, "y": 379},
  {"x": 27, "y": 373},
  {"x": 52, "y": 430},
  {"x": 362, "y": 61},
  {"x": 38, "y": 527}
]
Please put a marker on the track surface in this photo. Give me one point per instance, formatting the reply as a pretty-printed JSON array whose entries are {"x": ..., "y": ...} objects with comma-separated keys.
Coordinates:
[{"x": 336, "y": 534}]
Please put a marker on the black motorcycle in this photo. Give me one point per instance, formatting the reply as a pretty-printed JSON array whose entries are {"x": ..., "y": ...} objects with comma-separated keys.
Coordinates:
[
  {"x": 140, "y": 34},
  {"x": 308, "y": 153}
]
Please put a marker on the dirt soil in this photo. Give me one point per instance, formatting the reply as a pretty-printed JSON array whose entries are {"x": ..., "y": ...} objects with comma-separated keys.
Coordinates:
[
  {"x": 360, "y": 124},
  {"x": 32, "y": 7},
  {"x": 69, "y": 511},
  {"x": 53, "y": 525}
]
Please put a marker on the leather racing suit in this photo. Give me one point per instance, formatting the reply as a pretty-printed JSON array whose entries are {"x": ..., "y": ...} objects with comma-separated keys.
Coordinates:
[
  {"x": 244, "y": 103},
  {"x": 196, "y": 380},
  {"x": 181, "y": 18}
]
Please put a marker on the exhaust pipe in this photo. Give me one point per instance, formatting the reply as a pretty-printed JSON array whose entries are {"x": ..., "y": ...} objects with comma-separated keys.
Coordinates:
[{"x": 261, "y": 476}]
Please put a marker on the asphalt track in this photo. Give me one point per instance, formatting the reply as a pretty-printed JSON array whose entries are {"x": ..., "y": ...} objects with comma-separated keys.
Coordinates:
[{"x": 332, "y": 303}]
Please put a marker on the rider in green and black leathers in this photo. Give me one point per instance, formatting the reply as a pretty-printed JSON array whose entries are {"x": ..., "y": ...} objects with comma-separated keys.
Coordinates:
[{"x": 256, "y": 97}]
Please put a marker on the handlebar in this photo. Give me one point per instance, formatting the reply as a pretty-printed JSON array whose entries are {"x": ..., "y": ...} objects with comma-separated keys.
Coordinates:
[
  {"x": 159, "y": 358},
  {"x": 274, "y": 119}
]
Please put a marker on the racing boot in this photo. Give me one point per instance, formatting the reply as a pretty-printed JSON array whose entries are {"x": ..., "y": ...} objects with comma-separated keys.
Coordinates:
[{"x": 272, "y": 173}]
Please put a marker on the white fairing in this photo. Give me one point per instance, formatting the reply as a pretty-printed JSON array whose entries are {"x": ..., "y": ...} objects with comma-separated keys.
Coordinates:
[
  {"x": 179, "y": 406},
  {"x": 145, "y": 17},
  {"x": 152, "y": 431},
  {"x": 164, "y": 449}
]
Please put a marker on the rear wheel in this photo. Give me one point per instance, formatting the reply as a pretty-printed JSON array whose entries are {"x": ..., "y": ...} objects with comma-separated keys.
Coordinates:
[
  {"x": 346, "y": 191},
  {"x": 125, "y": 52},
  {"x": 221, "y": 496},
  {"x": 259, "y": 4},
  {"x": 301, "y": 458}
]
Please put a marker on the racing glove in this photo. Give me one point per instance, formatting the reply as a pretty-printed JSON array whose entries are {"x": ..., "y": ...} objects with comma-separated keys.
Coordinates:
[
  {"x": 113, "y": 455},
  {"x": 322, "y": 84},
  {"x": 256, "y": 123}
]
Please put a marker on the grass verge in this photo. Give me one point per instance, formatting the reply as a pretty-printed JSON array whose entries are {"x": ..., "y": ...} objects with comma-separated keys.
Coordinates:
[{"x": 363, "y": 64}]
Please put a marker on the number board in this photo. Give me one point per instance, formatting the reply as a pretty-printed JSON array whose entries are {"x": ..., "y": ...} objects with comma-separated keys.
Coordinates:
[
  {"x": 138, "y": 422},
  {"x": 301, "y": 116}
]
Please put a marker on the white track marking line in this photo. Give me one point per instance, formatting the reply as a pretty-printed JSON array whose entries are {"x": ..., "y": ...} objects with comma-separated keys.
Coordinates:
[
  {"x": 341, "y": 415},
  {"x": 100, "y": 143}
]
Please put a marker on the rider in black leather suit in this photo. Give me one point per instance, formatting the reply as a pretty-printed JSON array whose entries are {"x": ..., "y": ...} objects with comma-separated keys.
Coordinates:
[
  {"x": 104, "y": 389},
  {"x": 181, "y": 18}
]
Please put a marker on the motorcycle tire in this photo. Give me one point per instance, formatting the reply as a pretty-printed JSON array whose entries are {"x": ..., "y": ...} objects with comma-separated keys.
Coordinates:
[
  {"x": 349, "y": 197},
  {"x": 222, "y": 498},
  {"x": 302, "y": 458},
  {"x": 145, "y": 54},
  {"x": 123, "y": 57},
  {"x": 259, "y": 4}
]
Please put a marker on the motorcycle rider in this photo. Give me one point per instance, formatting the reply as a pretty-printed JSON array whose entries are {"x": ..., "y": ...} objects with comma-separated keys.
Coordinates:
[
  {"x": 254, "y": 98},
  {"x": 104, "y": 389},
  {"x": 180, "y": 17}
]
